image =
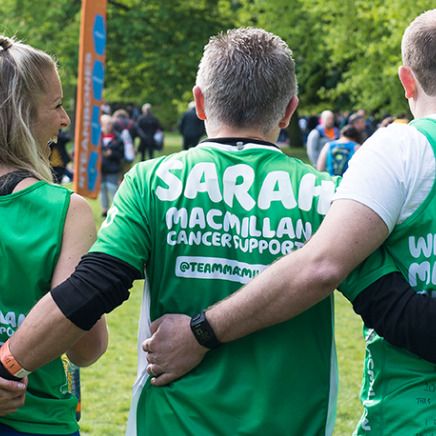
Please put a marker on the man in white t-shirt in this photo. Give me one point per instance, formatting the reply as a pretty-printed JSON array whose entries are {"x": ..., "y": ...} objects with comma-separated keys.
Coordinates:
[{"x": 387, "y": 196}]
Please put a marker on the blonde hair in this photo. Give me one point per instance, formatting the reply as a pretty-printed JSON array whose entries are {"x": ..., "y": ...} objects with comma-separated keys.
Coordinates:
[
  {"x": 23, "y": 71},
  {"x": 418, "y": 48}
]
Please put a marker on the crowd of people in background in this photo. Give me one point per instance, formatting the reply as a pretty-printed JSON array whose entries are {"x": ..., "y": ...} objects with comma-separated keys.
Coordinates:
[
  {"x": 331, "y": 139},
  {"x": 276, "y": 238},
  {"x": 128, "y": 134}
]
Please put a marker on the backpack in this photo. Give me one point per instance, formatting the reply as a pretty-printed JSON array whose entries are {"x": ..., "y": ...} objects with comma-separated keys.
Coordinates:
[
  {"x": 158, "y": 140},
  {"x": 338, "y": 156},
  {"x": 129, "y": 149}
]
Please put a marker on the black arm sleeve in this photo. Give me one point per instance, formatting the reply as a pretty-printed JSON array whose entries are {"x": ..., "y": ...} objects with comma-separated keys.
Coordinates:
[
  {"x": 399, "y": 314},
  {"x": 99, "y": 284}
]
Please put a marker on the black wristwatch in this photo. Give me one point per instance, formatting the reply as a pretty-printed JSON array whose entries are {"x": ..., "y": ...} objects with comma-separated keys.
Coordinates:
[{"x": 203, "y": 332}]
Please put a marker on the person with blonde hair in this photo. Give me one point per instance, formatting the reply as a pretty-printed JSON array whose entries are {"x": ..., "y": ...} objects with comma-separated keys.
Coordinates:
[{"x": 45, "y": 230}]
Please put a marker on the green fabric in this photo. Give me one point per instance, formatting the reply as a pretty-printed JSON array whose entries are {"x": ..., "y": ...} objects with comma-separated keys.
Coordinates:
[
  {"x": 30, "y": 242},
  {"x": 176, "y": 216},
  {"x": 374, "y": 267},
  {"x": 398, "y": 388}
]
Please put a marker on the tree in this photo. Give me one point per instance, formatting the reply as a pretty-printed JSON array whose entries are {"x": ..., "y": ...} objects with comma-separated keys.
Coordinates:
[
  {"x": 153, "y": 48},
  {"x": 347, "y": 51}
]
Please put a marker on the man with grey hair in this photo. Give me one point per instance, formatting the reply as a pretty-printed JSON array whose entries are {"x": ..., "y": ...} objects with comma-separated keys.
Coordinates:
[
  {"x": 198, "y": 224},
  {"x": 324, "y": 132},
  {"x": 145, "y": 127},
  {"x": 387, "y": 196}
]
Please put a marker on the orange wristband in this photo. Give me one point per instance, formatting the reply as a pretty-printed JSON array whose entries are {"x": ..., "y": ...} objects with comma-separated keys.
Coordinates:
[{"x": 9, "y": 362}]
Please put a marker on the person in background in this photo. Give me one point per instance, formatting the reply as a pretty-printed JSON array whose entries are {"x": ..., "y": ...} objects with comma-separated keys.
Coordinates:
[
  {"x": 358, "y": 121},
  {"x": 145, "y": 127},
  {"x": 325, "y": 131},
  {"x": 123, "y": 127},
  {"x": 59, "y": 156},
  {"x": 45, "y": 230},
  {"x": 191, "y": 127},
  {"x": 112, "y": 151},
  {"x": 335, "y": 155}
]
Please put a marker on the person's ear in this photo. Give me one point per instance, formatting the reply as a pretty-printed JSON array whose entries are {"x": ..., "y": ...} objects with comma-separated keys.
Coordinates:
[
  {"x": 199, "y": 102},
  {"x": 407, "y": 80},
  {"x": 290, "y": 109}
]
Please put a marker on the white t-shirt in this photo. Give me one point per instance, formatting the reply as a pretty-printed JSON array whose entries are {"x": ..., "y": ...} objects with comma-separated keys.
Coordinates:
[{"x": 392, "y": 173}]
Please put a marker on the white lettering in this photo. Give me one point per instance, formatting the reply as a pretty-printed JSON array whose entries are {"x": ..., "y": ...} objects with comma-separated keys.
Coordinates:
[
  {"x": 422, "y": 246},
  {"x": 419, "y": 271},
  {"x": 284, "y": 193},
  {"x": 232, "y": 189},
  {"x": 203, "y": 178},
  {"x": 174, "y": 184}
]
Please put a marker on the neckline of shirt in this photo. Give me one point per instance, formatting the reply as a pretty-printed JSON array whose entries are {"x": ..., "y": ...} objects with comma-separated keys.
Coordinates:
[{"x": 239, "y": 142}]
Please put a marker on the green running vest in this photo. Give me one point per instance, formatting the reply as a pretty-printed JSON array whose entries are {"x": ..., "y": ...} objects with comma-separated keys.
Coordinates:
[
  {"x": 398, "y": 388},
  {"x": 32, "y": 222}
]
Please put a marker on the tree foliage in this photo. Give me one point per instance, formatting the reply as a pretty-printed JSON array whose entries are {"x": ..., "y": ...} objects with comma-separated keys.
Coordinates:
[
  {"x": 153, "y": 47},
  {"x": 347, "y": 51}
]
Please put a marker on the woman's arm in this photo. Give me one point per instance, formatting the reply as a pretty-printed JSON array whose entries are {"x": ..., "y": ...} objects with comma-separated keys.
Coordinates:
[{"x": 78, "y": 237}]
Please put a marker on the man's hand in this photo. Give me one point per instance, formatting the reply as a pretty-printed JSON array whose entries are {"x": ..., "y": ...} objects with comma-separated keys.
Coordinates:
[
  {"x": 172, "y": 351},
  {"x": 12, "y": 395}
]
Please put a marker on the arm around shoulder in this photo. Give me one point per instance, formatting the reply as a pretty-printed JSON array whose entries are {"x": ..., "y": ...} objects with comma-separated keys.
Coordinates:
[{"x": 348, "y": 235}]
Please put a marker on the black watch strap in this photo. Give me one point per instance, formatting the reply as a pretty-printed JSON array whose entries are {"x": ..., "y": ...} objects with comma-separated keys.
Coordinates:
[
  {"x": 4, "y": 373},
  {"x": 203, "y": 332}
]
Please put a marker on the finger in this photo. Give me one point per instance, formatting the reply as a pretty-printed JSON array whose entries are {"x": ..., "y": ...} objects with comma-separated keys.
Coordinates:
[
  {"x": 151, "y": 371},
  {"x": 8, "y": 411},
  {"x": 146, "y": 345},
  {"x": 13, "y": 386},
  {"x": 163, "y": 379},
  {"x": 151, "y": 358},
  {"x": 13, "y": 405}
]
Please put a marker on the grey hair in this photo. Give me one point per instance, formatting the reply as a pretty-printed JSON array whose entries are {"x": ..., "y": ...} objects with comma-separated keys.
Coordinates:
[
  {"x": 247, "y": 77},
  {"x": 146, "y": 108},
  {"x": 418, "y": 48},
  {"x": 23, "y": 82}
]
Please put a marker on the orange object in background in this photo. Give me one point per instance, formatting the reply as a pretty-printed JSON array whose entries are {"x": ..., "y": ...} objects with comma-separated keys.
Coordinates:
[{"x": 92, "y": 56}]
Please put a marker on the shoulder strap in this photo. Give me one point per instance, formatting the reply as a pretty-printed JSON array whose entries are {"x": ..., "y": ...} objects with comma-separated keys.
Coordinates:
[
  {"x": 9, "y": 181},
  {"x": 427, "y": 126},
  {"x": 320, "y": 129}
]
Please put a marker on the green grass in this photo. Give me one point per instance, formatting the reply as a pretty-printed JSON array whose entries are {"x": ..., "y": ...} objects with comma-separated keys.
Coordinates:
[{"x": 107, "y": 385}]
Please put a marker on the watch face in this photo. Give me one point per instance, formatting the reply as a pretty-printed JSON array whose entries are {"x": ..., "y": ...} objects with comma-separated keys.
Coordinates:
[
  {"x": 202, "y": 334},
  {"x": 203, "y": 331}
]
